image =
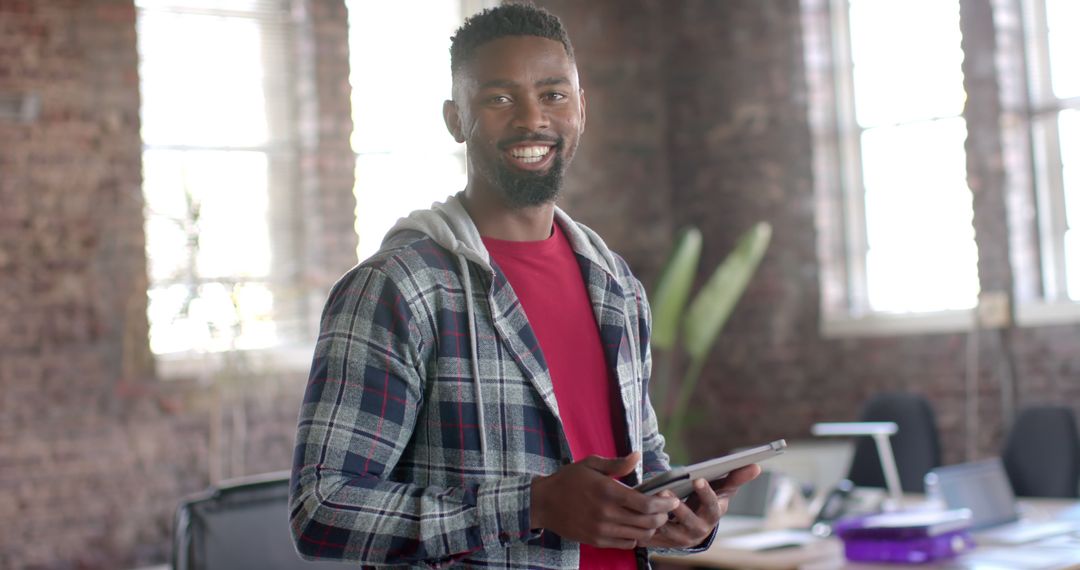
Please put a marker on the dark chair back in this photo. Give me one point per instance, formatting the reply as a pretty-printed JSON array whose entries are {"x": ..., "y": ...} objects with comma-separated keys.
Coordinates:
[
  {"x": 1042, "y": 453},
  {"x": 916, "y": 445},
  {"x": 239, "y": 525}
]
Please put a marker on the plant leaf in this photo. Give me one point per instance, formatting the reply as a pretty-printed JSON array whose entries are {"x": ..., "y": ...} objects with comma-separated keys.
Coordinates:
[
  {"x": 714, "y": 303},
  {"x": 673, "y": 288},
  {"x": 693, "y": 417}
]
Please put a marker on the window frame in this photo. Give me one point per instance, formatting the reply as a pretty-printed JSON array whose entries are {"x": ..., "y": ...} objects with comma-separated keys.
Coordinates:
[
  {"x": 839, "y": 194},
  {"x": 451, "y": 151},
  {"x": 1035, "y": 197},
  {"x": 1055, "y": 306},
  {"x": 291, "y": 313}
]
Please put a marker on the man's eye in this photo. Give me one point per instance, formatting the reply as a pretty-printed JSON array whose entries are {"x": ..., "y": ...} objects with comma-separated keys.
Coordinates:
[
  {"x": 554, "y": 96},
  {"x": 498, "y": 99}
]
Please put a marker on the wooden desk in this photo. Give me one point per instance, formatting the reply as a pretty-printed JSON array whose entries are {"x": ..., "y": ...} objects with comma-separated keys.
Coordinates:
[
  {"x": 1025, "y": 557},
  {"x": 806, "y": 557},
  {"x": 828, "y": 554}
]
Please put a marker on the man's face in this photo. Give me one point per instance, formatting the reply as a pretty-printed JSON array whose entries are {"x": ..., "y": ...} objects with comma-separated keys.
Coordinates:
[{"x": 518, "y": 107}]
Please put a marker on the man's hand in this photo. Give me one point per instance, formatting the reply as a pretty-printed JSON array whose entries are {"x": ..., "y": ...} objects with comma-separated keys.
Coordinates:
[
  {"x": 692, "y": 522},
  {"x": 583, "y": 502}
]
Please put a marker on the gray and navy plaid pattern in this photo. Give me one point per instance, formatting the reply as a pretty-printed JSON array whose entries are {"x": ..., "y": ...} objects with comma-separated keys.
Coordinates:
[{"x": 388, "y": 468}]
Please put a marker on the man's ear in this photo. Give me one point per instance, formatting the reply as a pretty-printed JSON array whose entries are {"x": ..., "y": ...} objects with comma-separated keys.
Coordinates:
[
  {"x": 581, "y": 95},
  {"x": 453, "y": 120}
]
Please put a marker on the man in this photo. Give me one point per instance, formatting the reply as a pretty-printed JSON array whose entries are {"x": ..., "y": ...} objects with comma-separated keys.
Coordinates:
[{"x": 479, "y": 385}]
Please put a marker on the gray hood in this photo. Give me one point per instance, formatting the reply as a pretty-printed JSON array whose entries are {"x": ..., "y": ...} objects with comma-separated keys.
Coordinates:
[{"x": 449, "y": 225}]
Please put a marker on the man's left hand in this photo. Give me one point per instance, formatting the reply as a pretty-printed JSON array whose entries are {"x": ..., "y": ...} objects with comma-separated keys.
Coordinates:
[{"x": 693, "y": 521}]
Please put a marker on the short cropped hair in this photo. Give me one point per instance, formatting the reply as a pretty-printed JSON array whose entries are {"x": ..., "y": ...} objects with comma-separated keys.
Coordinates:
[{"x": 504, "y": 21}]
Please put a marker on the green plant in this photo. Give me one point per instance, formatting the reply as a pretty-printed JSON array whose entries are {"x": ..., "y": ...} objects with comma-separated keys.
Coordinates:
[{"x": 683, "y": 335}]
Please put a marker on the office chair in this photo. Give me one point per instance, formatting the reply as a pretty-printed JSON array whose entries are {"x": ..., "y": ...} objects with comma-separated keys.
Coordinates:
[
  {"x": 915, "y": 446},
  {"x": 242, "y": 524},
  {"x": 1042, "y": 453}
]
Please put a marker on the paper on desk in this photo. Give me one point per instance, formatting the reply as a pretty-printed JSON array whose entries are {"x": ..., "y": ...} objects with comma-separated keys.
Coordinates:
[
  {"x": 1022, "y": 558},
  {"x": 1070, "y": 542},
  {"x": 768, "y": 540}
]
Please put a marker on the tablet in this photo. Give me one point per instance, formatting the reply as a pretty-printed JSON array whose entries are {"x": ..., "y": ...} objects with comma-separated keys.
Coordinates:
[{"x": 680, "y": 481}]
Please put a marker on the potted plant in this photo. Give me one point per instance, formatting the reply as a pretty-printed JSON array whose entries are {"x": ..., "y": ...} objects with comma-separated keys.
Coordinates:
[{"x": 685, "y": 331}]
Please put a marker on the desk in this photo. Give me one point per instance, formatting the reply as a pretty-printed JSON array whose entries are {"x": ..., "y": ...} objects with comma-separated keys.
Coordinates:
[
  {"x": 1061, "y": 553},
  {"x": 817, "y": 556}
]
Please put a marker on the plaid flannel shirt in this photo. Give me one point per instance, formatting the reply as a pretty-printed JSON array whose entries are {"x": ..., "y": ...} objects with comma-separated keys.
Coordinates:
[{"x": 388, "y": 468}]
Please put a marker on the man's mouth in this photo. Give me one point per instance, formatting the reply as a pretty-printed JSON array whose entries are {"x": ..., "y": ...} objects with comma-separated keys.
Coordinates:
[{"x": 530, "y": 154}]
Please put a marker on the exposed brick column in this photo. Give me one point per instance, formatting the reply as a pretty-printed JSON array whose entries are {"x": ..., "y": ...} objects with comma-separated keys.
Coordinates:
[
  {"x": 327, "y": 162},
  {"x": 985, "y": 162},
  {"x": 987, "y": 180},
  {"x": 618, "y": 184},
  {"x": 739, "y": 145},
  {"x": 74, "y": 351}
]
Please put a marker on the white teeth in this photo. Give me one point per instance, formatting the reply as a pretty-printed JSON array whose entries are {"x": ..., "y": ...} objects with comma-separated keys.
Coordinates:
[{"x": 530, "y": 153}]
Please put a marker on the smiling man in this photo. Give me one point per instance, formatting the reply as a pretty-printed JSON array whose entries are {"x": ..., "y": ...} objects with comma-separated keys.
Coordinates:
[{"x": 478, "y": 393}]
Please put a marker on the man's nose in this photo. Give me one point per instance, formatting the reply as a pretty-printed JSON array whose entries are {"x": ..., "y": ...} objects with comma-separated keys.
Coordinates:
[{"x": 530, "y": 116}]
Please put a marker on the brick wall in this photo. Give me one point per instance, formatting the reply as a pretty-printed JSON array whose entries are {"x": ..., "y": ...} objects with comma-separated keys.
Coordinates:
[
  {"x": 697, "y": 114},
  {"x": 95, "y": 449},
  {"x": 72, "y": 322}
]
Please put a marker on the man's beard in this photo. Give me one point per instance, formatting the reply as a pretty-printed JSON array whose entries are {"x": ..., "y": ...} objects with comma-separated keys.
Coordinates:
[{"x": 525, "y": 189}]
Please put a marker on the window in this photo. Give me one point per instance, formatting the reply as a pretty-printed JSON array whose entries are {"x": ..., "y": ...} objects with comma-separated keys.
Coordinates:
[
  {"x": 1053, "y": 37},
  {"x": 405, "y": 158},
  {"x": 218, "y": 166},
  {"x": 894, "y": 209}
]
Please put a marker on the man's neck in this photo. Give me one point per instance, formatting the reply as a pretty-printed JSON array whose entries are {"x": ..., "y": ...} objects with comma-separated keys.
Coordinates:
[{"x": 494, "y": 219}]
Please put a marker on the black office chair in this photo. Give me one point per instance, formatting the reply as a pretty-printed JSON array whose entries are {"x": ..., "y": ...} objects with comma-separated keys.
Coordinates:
[
  {"x": 241, "y": 524},
  {"x": 915, "y": 446},
  {"x": 1042, "y": 453}
]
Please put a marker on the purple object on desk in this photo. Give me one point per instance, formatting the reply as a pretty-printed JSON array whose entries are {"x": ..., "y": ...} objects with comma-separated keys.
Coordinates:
[
  {"x": 906, "y": 537},
  {"x": 910, "y": 550}
]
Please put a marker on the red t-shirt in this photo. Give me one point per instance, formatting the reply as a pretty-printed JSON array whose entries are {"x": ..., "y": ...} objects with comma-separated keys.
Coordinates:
[{"x": 547, "y": 279}]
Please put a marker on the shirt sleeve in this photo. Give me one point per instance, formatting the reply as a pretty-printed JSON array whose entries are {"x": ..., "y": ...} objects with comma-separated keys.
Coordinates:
[
  {"x": 363, "y": 396},
  {"x": 654, "y": 459}
]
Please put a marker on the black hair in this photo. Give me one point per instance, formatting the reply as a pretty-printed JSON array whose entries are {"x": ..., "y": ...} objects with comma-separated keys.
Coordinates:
[{"x": 503, "y": 21}]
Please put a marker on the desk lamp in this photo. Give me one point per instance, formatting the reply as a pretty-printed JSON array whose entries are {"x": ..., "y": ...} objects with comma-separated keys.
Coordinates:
[{"x": 880, "y": 431}]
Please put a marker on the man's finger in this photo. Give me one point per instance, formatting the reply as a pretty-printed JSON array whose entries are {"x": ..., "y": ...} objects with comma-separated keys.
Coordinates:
[
  {"x": 691, "y": 524},
  {"x": 663, "y": 538},
  {"x": 642, "y": 521},
  {"x": 738, "y": 478},
  {"x": 647, "y": 504},
  {"x": 682, "y": 512},
  {"x": 705, "y": 499},
  {"x": 613, "y": 467},
  {"x": 709, "y": 510},
  {"x": 619, "y": 531},
  {"x": 677, "y": 534},
  {"x": 616, "y": 534}
]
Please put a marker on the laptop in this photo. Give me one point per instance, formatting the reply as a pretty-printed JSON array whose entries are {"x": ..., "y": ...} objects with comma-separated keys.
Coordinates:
[{"x": 983, "y": 487}]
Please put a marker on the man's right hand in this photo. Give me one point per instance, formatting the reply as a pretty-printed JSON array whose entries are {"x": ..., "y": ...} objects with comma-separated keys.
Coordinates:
[{"x": 583, "y": 502}]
